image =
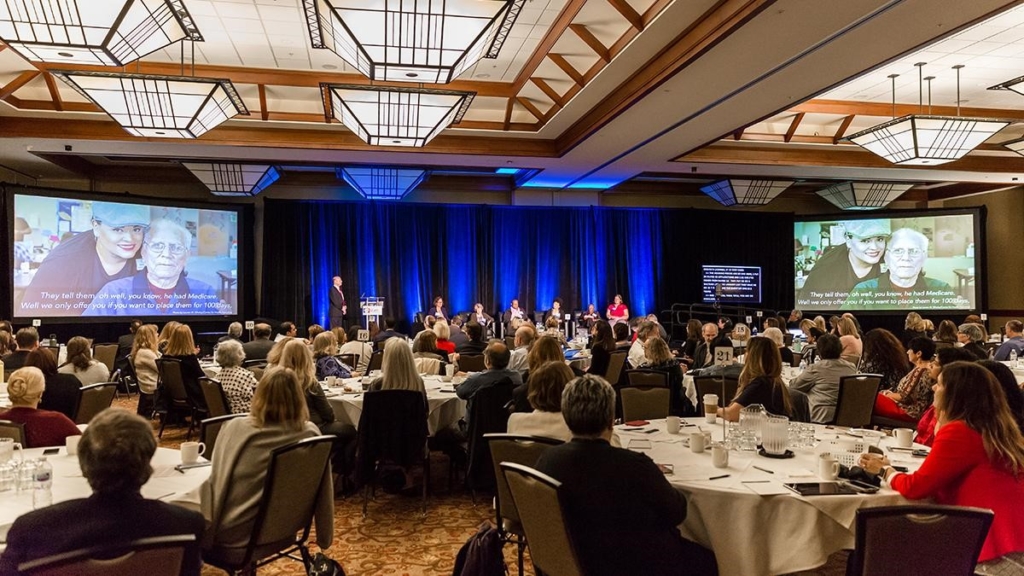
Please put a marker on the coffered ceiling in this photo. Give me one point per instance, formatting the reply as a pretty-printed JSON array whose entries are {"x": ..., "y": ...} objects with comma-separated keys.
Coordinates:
[{"x": 590, "y": 93}]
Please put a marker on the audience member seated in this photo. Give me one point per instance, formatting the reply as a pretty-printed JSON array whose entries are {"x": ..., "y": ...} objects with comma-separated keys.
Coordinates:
[
  {"x": 621, "y": 332},
  {"x": 427, "y": 358},
  {"x": 143, "y": 358},
  {"x": 636, "y": 357},
  {"x": 975, "y": 319},
  {"x": 362, "y": 350},
  {"x": 946, "y": 334},
  {"x": 126, "y": 341},
  {"x": 545, "y": 397},
  {"x": 553, "y": 328},
  {"x": 545, "y": 349},
  {"x": 820, "y": 381},
  {"x": 7, "y": 343},
  {"x": 165, "y": 335},
  {"x": 1008, "y": 382},
  {"x": 913, "y": 394},
  {"x": 27, "y": 340},
  {"x": 457, "y": 334},
  {"x": 237, "y": 382},
  {"x": 883, "y": 354},
  {"x": 972, "y": 336},
  {"x": 234, "y": 333},
  {"x": 977, "y": 460},
  {"x": 694, "y": 336},
  {"x": 496, "y": 358},
  {"x": 849, "y": 335},
  {"x": 181, "y": 347},
  {"x": 524, "y": 339},
  {"x": 81, "y": 364},
  {"x": 258, "y": 348},
  {"x": 943, "y": 357},
  {"x": 114, "y": 455},
  {"x": 476, "y": 343},
  {"x": 602, "y": 345},
  {"x": 42, "y": 427},
  {"x": 810, "y": 352},
  {"x": 660, "y": 358},
  {"x": 230, "y": 497},
  {"x": 398, "y": 369},
  {"x": 1014, "y": 341},
  {"x": 606, "y": 489},
  {"x": 705, "y": 353},
  {"x": 760, "y": 382},
  {"x": 443, "y": 333},
  {"x": 388, "y": 332},
  {"x": 775, "y": 335},
  {"x": 662, "y": 333},
  {"x": 913, "y": 327},
  {"x": 312, "y": 332},
  {"x": 325, "y": 350},
  {"x": 62, "y": 390},
  {"x": 286, "y": 330}
]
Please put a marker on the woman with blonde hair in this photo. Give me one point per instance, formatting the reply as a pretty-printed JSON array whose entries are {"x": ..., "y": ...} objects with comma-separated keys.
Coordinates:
[
  {"x": 143, "y": 358},
  {"x": 325, "y": 351},
  {"x": 296, "y": 357},
  {"x": 81, "y": 365},
  {"x": 398, "y": 369},
  {"x": 165, "y": 334},
  {"x": 913, "y": 327},
  {"x": 760, "y": 382},
  {"x": 181, "y": 347},
  {"x": 444, "y": 332},
  {"x": 42, "y": 427},
  {"x": 660, "y": 358},
  {"x": 274, "y": 356},
  {"x": 819, "y": 321},
  {"x": 545, "y": 349},
  {"x": 849, "y": 336}
]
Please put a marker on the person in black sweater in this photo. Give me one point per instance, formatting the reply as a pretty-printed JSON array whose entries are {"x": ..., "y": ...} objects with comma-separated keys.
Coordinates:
[
  {"x": 62, "y": 390},
  {"x": 181, "y": 347},
  {"x": 603, "y": 345},
  {"x": 760, "y": 382}
]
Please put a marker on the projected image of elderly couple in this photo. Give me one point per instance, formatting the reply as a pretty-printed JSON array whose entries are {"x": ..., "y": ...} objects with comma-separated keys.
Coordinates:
[
  {"x": 886, "y": 264},
  {"x": 92, "y": 258}
]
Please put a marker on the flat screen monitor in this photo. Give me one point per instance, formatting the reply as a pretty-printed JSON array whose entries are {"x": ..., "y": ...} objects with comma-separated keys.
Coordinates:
[
  {"x": 79, "y": 257},
  {"x": 893, "y": 261},
  {"x": 731, "y": 284}
]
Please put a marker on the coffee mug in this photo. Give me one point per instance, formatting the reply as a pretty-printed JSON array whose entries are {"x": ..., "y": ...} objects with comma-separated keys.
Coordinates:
[
  {"x": 828, "y": 467},
  {"x": 697, "y": 442},
  {"x": 672, "y": 424},
  {"x": 190, "y": 452},
  {"x": 719, "y": 455},
  {"x": 904, "y": 437},
  {"x": 710, "y": 408},
  {"x": 71, "y": 444},
  {"x": 332, "y": 381},
  {"x": 449, "y": 372},
  {"x": 7, "y": 448}
]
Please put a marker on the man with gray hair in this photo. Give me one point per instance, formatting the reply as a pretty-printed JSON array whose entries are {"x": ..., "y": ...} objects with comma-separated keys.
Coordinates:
[
  {"x": 905, "y": 285},
  {"x": 496, "y": 372},
  {"x": 606, "y": 488},
  {"x": 114, "y": 455},
  {"x": 234, "y": 333},
  {"x": 525, "y": 336},
  {"x": 163, "y": 287}
]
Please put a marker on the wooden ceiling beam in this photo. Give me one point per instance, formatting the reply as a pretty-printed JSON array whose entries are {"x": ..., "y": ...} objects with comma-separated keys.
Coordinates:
[
  {"x": 958, "y": 189},
  {"x": 51, "y": 85},
  {"x": 558, "y": 27},
  {"x": 548, "y": 90},
  {"x": 885, "y": 110},
  {"x": 629, "y": 13},
  {"x": 264, "y": 112},
  {"x": 793, "y": 126},
  {"x": 590, "y": 40},
  {"x": 509, "y": 105},
  {"x": 738, "y": 135},
  {"x": 525, "y": 103},
  {"x": 568, "y": 68},
  {"x": 16, "y": 84},
  {"x": 843, "y": 127}
]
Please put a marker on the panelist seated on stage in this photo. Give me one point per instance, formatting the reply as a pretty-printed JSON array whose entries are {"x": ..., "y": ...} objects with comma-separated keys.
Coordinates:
[
  {"x": 482, "y": 318},
  {"x": 114, "y": 455},
  {"x": 556, "y": 312},
  {"x": 617, "y": 311},
  {"x": 514, "y": 312},
  {"x": 437, "y": 310},
  {"x": 589, "y": 317}
]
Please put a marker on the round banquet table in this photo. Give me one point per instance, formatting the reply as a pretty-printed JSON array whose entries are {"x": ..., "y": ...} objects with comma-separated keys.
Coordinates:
[
  {"x": 444, "y": 407},
  {"x": 753, "y": 534},
  {"x": 690, "y": 389}
]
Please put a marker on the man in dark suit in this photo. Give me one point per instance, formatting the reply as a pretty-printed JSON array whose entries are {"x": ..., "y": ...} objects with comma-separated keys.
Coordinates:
[
  {"x": 388, "y": 332},
  {"x": 475, "y": 344},
  {"x": 621, "y": 512},
  {"x": 457, "y": 334},
  {"x": 705, "y": 354},
  {"x": 28, "y": 340},
  {"x": 125, "y": 342},
  {"x": 339, "y": 309},
  {"x": 114, "y": 455},
  {"x": 260, "y": 347}
]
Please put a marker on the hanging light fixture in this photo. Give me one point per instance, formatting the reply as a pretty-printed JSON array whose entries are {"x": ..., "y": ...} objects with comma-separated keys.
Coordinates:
[
  {"x": 863, "y": 195},
  {"x": 1015, "y": 85},
  {"x": 925, "y": 139},
  {"x": 381, "y": 183},
  {"x": 227, "y": 179},
  {"x": 154, "y": 106},
  {"x": 106, "y": 33},
  {"x": 384, "y": 116},
  {"x": 430, "y": 41},
  {"x": 734, "y": 192}
]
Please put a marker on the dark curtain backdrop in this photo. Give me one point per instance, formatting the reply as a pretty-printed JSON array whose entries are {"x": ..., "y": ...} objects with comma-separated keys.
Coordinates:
[{"x": 410, "y": 253}]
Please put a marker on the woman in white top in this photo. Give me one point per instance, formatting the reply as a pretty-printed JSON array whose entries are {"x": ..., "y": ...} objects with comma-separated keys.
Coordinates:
[
  {"x": 352, "y": 345},
  {"x": 544, "y": 391},
  {"x": 238, "y": 383},
  {"x": 81, "y": 364},
  {"x": 853, "y": 347},
  {"x": 143, "y": 358}
]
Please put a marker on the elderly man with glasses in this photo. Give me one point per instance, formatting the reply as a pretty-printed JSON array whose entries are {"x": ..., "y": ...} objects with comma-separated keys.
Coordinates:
[
  {"x": 163, "y": 287},
  {"x": 905, "y": 285}
]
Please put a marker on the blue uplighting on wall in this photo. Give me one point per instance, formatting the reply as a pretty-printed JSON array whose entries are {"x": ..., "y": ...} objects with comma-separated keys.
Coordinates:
[{"x": 507, "y": 171}]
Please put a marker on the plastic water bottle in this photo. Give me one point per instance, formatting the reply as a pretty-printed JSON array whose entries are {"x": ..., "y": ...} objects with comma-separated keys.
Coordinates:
[
  {"x": 1013, "y": 357},
  {"x": 803, "y": 365},
  {"x": 42, "y": 496}
]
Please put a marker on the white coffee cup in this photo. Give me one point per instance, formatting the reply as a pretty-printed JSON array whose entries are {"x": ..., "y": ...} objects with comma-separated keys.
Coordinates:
[
  {"x": 719, "y": 455},
  {"x": 710, "y": 407},
  {"x": 332, "y": 381},
  {"x": 190, "y": 452},
  {"x": 7, "y": 448},
  {"x": 828, "y": 466},
  {"x": 449, "y": 372},
  {"x": 697, "y": 441},
  {"x": 672, "y": 424},
  {"x": 904, "y": 437},
  {"x": 71, "y": 444}
]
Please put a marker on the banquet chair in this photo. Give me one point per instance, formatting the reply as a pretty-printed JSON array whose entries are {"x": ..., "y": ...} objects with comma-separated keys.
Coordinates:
[
  {"x": 645, "y": 378},
  {"x": 392, "y": 431},
  {"x": 209, "y": 429},
  {"x": 128, "y": 377},
  {"x": 488, "y": 415},
  {"x": 350, "y": 360},
  {"x": 639, "y": 404},
  {"x": 713, "y": 385},
  {"x": 616, "y": 363},
  {"x": 94, "y": 399},
  {"x": 946, "y": 540},
  {"x": 255, "y": 363},
  {"x": 801, "y": 406},
  {"x": 156, "y": 556},
  {"x": 520, "y": 449},
  {"x": 376, "y": 361},
  {"x": 538, "y": 500},
  {"x": 510, "y": 341},
  {"x": 171, "y": 389},
  {"x": 13, "y": 430},
  {"x": 288, "y": 501},
  {"x": 106, "y": 354},
  {"x": 471, "y": 363},
  {"x": 856, "y": 401},
  {"x": 431, "y": 366},
  {"x": 216, "y": 402}
]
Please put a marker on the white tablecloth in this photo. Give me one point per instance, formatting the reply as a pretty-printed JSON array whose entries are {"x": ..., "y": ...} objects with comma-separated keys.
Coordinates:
[
  {"x": 165, "y": 484},
  {"x": 753, "y": 534},
  {"x": 444, "y": 407},
  {"x": 691, "y": 389}
]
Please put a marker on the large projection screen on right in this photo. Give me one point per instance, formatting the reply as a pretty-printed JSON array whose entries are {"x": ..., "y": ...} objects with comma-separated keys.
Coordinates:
[{"x": 883, "y": 263}]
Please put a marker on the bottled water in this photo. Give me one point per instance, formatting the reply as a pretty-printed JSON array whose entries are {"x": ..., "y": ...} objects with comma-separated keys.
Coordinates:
[
  {"x": 42, "y": 496},
  {"x": 803, "y": 365},
  {"x": 1013, "y": 357}
]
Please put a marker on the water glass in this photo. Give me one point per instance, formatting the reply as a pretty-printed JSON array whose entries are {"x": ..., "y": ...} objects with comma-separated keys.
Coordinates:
[
  {"x": 776, "y": 434},
  {"x": 8, "y": 476},
  {"x": 807, "y": 439},
  {"x": 26, "y": 475}
]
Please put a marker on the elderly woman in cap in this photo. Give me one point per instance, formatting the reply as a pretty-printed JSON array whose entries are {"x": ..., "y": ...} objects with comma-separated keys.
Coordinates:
[
  {"x": 85, "y": 262},
  {"x": 42, "y": 427},
  {"x": 846, "y": 265}
]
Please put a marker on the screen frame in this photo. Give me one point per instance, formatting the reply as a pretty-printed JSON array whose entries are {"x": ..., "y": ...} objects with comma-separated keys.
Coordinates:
[
  {"x": 980, "y": 252},
  {"x": 10, "y": 191},
  {"x": 760, "y": 285}
]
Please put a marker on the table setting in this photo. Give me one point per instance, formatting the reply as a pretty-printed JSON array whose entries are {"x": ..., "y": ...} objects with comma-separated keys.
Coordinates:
[{"x": 444, "y": 408}]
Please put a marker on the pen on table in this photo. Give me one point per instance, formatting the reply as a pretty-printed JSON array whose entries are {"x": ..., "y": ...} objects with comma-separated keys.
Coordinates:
[
  {"x": 763, "y": 469},
  {"x": 719, "y": 477}
]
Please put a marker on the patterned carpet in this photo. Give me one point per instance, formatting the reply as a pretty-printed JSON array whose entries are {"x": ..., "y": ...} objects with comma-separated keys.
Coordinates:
[{"x": 397, "y": 539}]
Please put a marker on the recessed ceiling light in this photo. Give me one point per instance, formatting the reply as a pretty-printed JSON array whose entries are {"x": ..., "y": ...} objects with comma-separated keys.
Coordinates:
[
  {"x": 66, "y": 54},
  {"x": 411, "y": 75},
  {"x": 483, "y": 75},
  {"x": 330, "y": 67}
]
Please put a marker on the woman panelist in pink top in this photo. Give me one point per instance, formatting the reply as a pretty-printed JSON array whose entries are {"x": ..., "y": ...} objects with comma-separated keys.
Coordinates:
[{"x": 617, "y": 311}]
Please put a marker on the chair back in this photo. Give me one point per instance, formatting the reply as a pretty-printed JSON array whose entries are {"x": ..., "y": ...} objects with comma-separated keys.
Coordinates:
[
  {"x": 852, "y": 358},
  {"x": 169, "y": 371},
  {"x": 157, "y": 556},
  {"x": 640, "y": 404},
  {"x": 131, "y": 377},
  {"x": 645, "y": 378},
  {"x": 713, "y": 385},
  {"x": 940, "y": 344},
  {"x": 376, "y": 361},
  {"x": 947, "y": 540},
  {"x": 801, "y": 405},
  {"x": 520, "y": 449},
  {"x": 209, "y": 429},
  {"x": 616, "y": 362},
  {"x": 350, "y": 360},
  {"x": 107, "y": 354},
  {"x": 393, "y": 428},
  {"x": 94, "y": 399},
  {"x": 539, "y": 501},
  {"x": 471, "y": 363},
  {"x": 430, "y": 366},
  {"x": 487, "y": 415},
  {"x": 216, "y": 402},
  {"x": 255, "y": 363},
  {"x": 13, "y": 430},
  {"x": 856, "y": 403},
  {"x": 510, "y": 341}
]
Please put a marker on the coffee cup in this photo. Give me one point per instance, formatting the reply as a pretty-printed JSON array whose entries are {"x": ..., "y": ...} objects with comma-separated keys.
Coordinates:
[
  {"x": 719, "y": 455},
  {"x": 710, "y": 407},
  {"x": 672, "y": 424},
  {"x": 828, "y": 467},
  {"x": 697, "y": 440},
  {"x": 332, "y": 381},
  {"x": 190, "y": 452},
  {"x": 904, "y": 437},
  {"x": 7, "y": 448},
  {"x": 71, "y": 444},
  {"x": 449, "y": 372}
]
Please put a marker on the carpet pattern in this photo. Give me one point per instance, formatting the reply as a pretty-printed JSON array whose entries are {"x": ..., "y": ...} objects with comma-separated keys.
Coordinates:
[{"x": 396, "y": 539}]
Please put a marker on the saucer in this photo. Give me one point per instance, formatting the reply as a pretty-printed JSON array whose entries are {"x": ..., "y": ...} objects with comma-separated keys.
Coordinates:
[{"x": 783, "y": 456}]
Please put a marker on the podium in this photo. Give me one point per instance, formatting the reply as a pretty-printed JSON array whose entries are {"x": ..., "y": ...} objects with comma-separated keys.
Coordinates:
[{"x": 372, "y": 308}]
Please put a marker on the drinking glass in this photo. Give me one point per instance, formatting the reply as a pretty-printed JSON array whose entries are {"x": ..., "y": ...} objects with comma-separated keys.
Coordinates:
[{"x": 776, "y": 434}]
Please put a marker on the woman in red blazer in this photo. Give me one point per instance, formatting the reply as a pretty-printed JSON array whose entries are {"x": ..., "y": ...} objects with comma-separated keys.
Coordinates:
[{"x": 977, "y": 460}]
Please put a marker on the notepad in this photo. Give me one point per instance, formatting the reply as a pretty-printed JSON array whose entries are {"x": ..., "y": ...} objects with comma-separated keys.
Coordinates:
[{"x": 765, "y": 487}]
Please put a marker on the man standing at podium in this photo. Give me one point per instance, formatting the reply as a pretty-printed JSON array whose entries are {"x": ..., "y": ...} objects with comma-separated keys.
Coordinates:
[{"x": 338, "y": 307}]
